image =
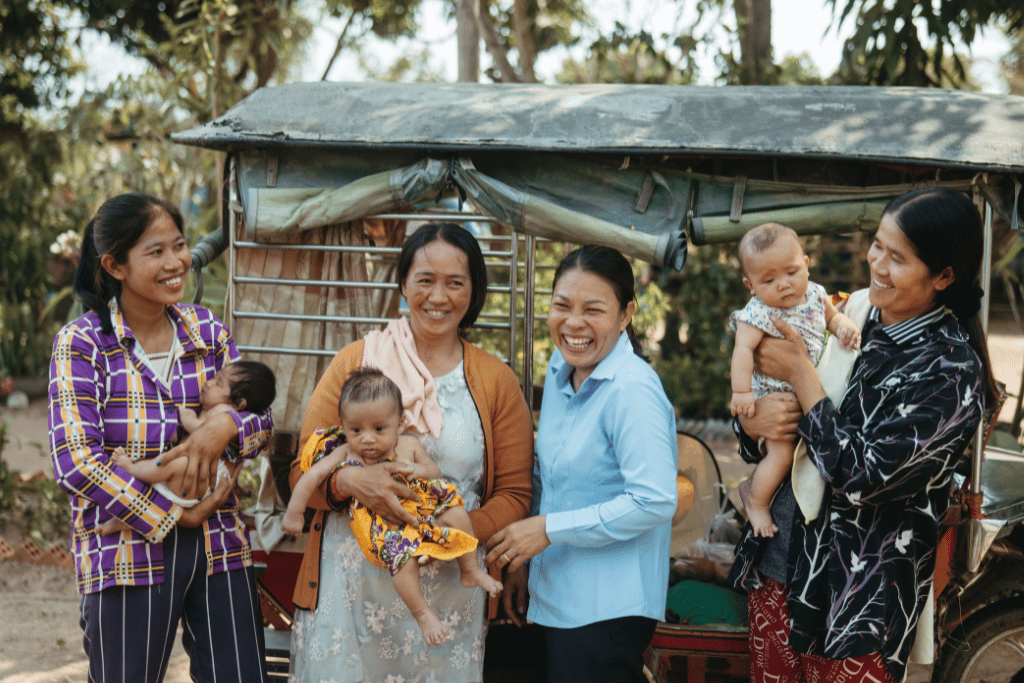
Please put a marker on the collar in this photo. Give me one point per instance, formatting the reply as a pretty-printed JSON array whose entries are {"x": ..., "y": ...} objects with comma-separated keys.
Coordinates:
[
  {"x": 907, "y": 330},
  {"x": 619, "y": 354},
  {"x": 186, "y": 323}
]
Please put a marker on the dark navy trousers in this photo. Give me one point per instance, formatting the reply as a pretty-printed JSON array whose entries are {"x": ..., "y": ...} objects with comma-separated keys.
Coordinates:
[
  {"x": 129, "y": 630},
  {"x": 608, "y": 651}
]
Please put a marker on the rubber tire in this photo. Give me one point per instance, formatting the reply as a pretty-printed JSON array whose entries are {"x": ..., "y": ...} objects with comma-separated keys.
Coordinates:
[{"x": 978, "y": 631}]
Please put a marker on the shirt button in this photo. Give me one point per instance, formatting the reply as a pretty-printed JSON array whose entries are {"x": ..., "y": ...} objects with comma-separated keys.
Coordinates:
[
  {"x": 312, "y": 584},
  {"x": 316, "y": 527}
]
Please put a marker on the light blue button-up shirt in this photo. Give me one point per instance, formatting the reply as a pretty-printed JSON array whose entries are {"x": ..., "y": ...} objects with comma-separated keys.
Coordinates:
[{"x": 608, "y": 463}]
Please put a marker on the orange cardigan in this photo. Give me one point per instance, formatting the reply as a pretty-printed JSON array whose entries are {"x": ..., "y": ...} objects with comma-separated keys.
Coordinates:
[{"x": 508, "y": 452}]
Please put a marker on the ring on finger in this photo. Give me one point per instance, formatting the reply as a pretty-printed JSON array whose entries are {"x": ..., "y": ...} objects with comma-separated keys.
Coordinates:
[{"x": 506, "y": 557}]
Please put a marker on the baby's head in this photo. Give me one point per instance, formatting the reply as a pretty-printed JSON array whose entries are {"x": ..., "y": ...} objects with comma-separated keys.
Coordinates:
[
  {"x": 370, "y": 409},
  {"x": 244, "y": 385},
  {"x": 774, "y": 265}
]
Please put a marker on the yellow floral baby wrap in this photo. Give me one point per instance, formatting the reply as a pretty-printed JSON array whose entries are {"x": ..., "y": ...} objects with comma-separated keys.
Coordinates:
[{"x": 390, "y": 545}]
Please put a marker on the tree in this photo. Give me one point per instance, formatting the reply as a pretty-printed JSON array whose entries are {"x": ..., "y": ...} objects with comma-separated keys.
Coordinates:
[
  {"x": 888, "y": 44},
  {"x": 754, "y": 26}
]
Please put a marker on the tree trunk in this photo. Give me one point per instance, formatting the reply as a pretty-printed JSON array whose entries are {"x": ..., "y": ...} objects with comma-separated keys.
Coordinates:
[
  {"x": 468, "y": 37},
  {"x": 754, "y": 19},
  {"x": 524, "y": 41}
]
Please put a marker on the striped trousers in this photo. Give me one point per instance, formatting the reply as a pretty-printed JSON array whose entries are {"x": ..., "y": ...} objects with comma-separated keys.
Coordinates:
[{"x": 129, "y": 630}]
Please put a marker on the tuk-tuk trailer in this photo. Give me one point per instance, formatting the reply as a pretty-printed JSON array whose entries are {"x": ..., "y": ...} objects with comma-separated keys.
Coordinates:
[{"x": 323, "y": 180}]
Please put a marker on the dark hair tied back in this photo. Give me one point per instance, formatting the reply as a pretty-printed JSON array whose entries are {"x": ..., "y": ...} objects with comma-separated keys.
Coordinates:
[
  {"x": 946, "y": 230},
  {"x": 967, "y": 303},
  {"x": 118, "y": 225}
]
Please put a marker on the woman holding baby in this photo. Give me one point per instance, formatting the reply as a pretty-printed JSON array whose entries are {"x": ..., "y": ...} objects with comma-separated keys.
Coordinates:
[
  {"x": 838, "y": 592},
  {"x": 120, "y": 377},
  {"x": 466, "y": 408}
]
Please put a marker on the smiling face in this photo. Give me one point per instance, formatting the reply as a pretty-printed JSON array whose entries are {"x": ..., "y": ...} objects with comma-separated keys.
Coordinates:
[
  {"x": 438, "y": 290},
  {"x": 778, "y": 274},
  {"x": 371, "y": 428},
  {"x": 153, "y": 274},
  {"x": 901, "y": 285},
  {"x": 585, "y": 320}
]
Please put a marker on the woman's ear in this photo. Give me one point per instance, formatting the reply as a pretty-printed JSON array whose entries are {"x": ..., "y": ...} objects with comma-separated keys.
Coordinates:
[
  {"x": 115, "y": 269},
  {"x": 944, "y": 279},
  {"x": 627, "y": 315}
]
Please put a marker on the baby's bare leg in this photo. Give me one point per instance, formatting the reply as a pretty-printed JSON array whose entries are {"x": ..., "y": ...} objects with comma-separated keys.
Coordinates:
[
  {"x": 472, "y": 575},
  {"x": 407, "y": 585},
  {"x": 757, "y": 491},
  {"x": 150, "y": 472},
  {"x": 112, "y": 526}
]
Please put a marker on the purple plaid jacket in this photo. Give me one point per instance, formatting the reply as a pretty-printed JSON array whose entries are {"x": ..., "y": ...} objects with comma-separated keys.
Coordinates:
[{"x": 103, "y": 396}]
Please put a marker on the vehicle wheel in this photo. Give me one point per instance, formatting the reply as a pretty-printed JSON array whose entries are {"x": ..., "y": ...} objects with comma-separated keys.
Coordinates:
[{"x": 990, "y": 647}]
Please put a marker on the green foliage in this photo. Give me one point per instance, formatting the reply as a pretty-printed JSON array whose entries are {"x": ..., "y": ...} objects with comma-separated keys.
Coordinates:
[
  {"x": 49, "y": 515},
  {"x": 695, "y": 372},
  {"x": 40, "y": 506},
  {"x": 891, "y": 39},
  {"x": 6, "y": 476}
]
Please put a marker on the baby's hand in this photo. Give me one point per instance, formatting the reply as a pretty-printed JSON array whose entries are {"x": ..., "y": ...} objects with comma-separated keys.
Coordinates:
[
  {"x": 292, "y": 523},
  {"x": 403, "y": 469},
  {"x": 847, "y": 332},
  {"x": 742, "y": 404}
]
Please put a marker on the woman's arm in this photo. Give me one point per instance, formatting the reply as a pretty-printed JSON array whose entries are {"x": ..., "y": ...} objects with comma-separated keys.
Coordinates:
[
  {"x": 642, "y": 436},
  {"x": 512, "y": 434},
  {"x": 787, "y": 359},
  {"x": 237, "y": 435},
  {"x": 76, "y": 430},
  {"x": 909, "y": 436}
]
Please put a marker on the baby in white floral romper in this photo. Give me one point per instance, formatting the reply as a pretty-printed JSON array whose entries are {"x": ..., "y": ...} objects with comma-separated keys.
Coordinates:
[{"x": 775, "y": 269}]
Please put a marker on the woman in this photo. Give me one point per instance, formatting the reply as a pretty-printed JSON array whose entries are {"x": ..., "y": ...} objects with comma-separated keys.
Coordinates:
[
  {"x": 852, "y": 583},
  {"x": 118, "y": 377},
  {"x": 469, "y": 412},
  {"x": 606, "y": 445}
]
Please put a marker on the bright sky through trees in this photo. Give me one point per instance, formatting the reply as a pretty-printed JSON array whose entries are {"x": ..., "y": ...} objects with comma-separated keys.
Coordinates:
[{"x": 797, "y": 27}]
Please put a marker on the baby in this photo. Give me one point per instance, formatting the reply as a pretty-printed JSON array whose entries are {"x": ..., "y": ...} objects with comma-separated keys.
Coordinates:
[
  {"x": 242, "y": 385},
  {"x": 775, "y": 269},
  {"x": 370, "y": 409}
]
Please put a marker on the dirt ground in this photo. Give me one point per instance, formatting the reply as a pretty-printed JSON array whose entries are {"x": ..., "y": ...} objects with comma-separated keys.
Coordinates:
[{"x": 40, "y": 640}]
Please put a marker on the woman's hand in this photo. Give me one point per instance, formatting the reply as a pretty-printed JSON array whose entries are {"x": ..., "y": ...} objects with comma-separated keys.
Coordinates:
[
  {"x": 201, "y": 511},
  {"x": 776, "y": 417},
  {"x": 781, "y": 358},
  {"x": 203, "y": 449},
  {"x": 516, "y": 596},
  {"x": 374, "y": 487},
  {"x": 517, "y": 543},
  {"x": 787, "y": 359}
]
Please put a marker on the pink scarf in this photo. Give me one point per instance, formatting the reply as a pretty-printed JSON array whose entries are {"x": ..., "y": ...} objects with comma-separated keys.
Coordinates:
[{"x": 394, "y": 351}]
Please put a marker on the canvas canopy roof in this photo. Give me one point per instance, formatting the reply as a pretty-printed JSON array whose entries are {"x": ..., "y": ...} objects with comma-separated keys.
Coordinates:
[{"x": 632, "y": 166}]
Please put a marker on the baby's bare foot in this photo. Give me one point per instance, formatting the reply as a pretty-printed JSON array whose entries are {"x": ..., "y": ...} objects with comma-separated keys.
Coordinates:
[
  {"x": 760, "y": 515},
  {"x": 478, "y": 578},
  {"x": 434, "y": 632}
]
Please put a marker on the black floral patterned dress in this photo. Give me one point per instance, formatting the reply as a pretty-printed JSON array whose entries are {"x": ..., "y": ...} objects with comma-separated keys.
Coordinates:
[{"x": 860, "y": 573}]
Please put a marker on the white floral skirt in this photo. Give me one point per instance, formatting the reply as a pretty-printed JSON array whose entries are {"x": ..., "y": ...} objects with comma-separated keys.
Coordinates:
[{"x": 362, "y": 632}]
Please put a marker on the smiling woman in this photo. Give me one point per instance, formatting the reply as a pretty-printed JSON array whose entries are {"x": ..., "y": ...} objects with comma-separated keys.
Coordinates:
[
  {"x": 120, "y": 375},
  {"x": 883, "y": 455},
  {"x": 606, "y": 448},
  {"x": 465, "y": 408}
]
